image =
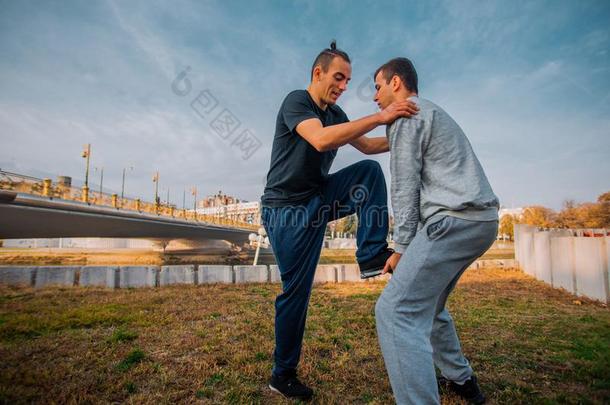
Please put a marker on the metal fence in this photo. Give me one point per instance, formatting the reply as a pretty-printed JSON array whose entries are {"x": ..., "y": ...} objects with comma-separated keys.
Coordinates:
[{"x": 47, "y": 188}]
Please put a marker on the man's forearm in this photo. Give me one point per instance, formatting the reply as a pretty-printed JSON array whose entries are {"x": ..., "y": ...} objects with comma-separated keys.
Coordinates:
[
  {"x": 334, "y": 136},
  {"x": 371, "y": 146},
  {"x": 331, "y": 137}
]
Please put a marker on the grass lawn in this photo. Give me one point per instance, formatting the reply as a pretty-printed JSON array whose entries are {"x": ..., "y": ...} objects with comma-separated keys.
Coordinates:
[{"x": 527, "y": 342}]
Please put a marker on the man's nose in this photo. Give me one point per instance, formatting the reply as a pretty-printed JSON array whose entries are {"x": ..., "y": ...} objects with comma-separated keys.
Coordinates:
[{"x": 342, "y": 86}]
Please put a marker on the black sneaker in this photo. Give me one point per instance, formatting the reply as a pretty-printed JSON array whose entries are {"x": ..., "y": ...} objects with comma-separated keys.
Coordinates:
[
  {"x": 468, "y": 391},
  {"x": 374, "y": 266},
  {"x": 290, "y": 387}
]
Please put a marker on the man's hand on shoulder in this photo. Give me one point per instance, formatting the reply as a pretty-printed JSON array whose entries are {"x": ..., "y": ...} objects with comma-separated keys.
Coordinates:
[{"x": 397, "y": 109}]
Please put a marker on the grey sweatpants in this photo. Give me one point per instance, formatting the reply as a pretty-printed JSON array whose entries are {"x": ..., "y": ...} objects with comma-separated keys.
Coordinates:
[{"x": 414, "y": 328}]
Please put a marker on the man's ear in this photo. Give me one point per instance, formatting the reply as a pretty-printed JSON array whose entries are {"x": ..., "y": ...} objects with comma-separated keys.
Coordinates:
[
  {"x": 317, "y": 71},
  {"x": 396, "y": 82}
]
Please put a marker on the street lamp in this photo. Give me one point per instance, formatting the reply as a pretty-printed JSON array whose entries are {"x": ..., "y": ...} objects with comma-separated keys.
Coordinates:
[
  {"x": 194, "y": 193},
  {"x": 123, "y": 185},
  {"x": 86, "y": 154},
  {"x": 184, "y": 203},
  {"x": 260, "y": 240},
  {"x": 156, "y": 181}
]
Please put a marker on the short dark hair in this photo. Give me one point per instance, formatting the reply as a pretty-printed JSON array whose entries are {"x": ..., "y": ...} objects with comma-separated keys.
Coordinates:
[
  {"x": 325, "y": 57},
  {"x": 401, "y": 67}
]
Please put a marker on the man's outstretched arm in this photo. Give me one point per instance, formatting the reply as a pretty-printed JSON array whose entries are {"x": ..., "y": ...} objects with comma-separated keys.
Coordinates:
[
  {"x": 371, "y": 146},
  {"x": 331, "y": 137}
]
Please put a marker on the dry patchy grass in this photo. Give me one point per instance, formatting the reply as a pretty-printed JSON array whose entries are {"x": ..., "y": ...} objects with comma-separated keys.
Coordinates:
[{"x": 213, "y": 344}]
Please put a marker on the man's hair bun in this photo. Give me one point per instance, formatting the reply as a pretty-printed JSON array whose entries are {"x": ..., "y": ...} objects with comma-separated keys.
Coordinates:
[{"x": 325, "y": 57}]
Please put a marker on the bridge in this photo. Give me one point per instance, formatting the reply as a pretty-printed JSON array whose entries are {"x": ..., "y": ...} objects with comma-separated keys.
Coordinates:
[{"x": 24, "y": 216}]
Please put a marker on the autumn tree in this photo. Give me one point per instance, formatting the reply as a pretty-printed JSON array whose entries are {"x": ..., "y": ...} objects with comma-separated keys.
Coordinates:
[
  {"x": 572, "y": 215},
  {"x": 507, "y": 226},
  {"x": 540, "y": 216},
  {"x": 569, "y": 216},
  {"x": 604, "y": 209},
  {"x": 589, "y": 215}
]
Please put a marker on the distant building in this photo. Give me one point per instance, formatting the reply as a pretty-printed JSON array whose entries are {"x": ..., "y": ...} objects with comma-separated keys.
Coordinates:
[
  {"x": 217, "y": 200},
  {"x": 515, "y": 212},
  {"x": 225, "y": 206}
]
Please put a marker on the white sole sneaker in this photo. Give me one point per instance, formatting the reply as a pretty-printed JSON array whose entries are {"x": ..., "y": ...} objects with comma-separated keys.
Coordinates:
[{"x": 276, "y": 390}]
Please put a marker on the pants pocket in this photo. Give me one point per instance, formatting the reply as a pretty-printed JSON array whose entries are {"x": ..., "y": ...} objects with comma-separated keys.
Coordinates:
[{"x": 438, "y": 229}]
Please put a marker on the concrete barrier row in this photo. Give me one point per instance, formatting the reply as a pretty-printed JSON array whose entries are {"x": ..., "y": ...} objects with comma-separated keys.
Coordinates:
[
  {"x": 155, "y": 276},
  {"x": 577, "y": 264}
]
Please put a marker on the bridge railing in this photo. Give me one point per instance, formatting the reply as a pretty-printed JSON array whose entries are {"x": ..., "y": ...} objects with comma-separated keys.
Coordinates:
[{"x": 46, "y": 188}]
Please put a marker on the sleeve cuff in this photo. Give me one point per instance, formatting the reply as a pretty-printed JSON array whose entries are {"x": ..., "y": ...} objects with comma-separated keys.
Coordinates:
[{"x": 400, "y": 248}]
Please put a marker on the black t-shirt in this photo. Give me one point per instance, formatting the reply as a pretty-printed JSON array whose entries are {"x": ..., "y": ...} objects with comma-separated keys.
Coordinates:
[{"x": 297, "y": 169}]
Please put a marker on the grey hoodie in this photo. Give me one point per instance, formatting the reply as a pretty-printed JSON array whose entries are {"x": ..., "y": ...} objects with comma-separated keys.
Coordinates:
[{"x": 434, "y": 172}]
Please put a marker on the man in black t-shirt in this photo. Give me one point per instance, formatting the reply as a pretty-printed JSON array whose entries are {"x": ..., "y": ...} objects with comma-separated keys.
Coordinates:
[{"x": 301, "y": 197}]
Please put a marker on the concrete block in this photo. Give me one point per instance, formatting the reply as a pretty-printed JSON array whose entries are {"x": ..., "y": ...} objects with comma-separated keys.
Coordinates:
[
  {"x": 522, "y": 242},
  {"x": 55, "y": 275},
  {"x": 179, "y": 274},
  {"x": 590, "y": 264},
  {"x": 138, "y": 276},
  {"x": 607, "y": 270},
  {"x": 526, "y": 260},
  {"x": 517, "y": 228},
  {"x": 17, "y": 275},
  {"x": 251, "y": 274},
  {"x": 215, "y": 274},
  {"x": 562, "y": 263},
  {"x": 542, "y": 258},
  {"x": 349, "y": 273},
  {"x": 99, "y": 276},
  {"x": 274, "y": 273},
  {"x": 325, "y": 273}
]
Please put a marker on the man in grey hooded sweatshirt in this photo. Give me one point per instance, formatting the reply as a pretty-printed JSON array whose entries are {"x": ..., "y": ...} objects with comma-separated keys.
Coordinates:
[{"x": 446, "y": 216}]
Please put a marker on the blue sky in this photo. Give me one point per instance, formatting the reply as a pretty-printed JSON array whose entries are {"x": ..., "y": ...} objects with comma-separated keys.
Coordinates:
[{"x": 529, "y": 82}]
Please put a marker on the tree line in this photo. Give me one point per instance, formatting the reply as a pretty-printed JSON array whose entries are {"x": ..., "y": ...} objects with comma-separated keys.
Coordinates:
[{"x": 572, "y": 216}]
